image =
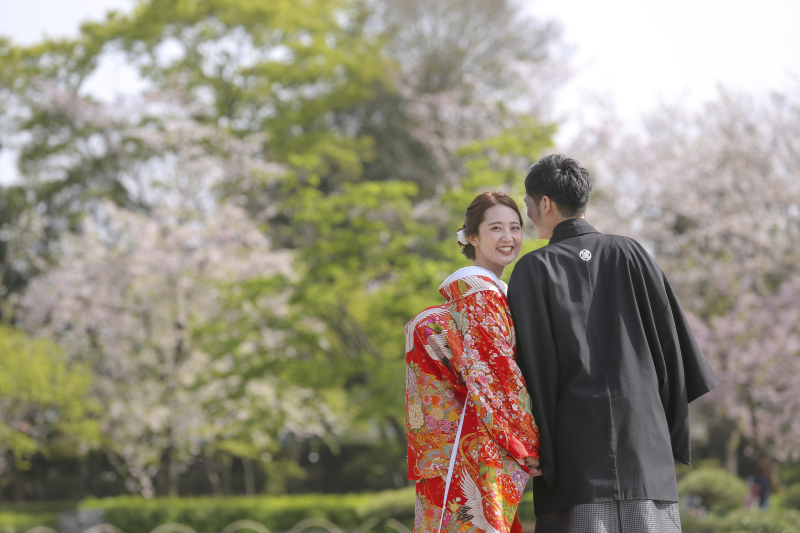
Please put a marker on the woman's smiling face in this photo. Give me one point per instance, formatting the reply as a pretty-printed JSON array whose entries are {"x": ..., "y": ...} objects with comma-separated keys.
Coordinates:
[{"x": 499, "y": 238}]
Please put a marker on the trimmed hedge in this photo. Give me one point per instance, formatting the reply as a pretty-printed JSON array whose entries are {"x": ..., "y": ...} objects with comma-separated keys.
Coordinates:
[
  {"x": 720, "y": 491},
  {"x": 791, "y": 499},
  {"x": 699, "y": 524},
  {"x": 278, "y": 513},
  {"x": 758, "y": 521},
  {"x": 19, "y": 517},
  {"x": 133, "y": 514},
  {"x": 745, "y": 521},
  {"x": 16, "y": 522}
]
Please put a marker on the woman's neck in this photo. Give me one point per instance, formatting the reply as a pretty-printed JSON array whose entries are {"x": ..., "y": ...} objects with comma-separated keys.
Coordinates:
[{"x": 496, "y": 269}]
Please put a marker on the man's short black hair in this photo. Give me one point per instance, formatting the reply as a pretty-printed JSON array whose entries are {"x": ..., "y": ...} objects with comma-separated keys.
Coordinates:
[{"x": 561, "y": 179}]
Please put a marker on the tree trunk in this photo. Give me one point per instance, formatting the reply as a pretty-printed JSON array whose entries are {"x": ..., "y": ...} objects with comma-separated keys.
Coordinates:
[
  {"x": 84, "y": 477},
  {"x": 213, "y": 474},
  {"x": 774, "y": 476},
  {"x": 732, "y": 453},
  {"x": 7, "y": 479},
  {"x": 227, "y": 467},
  {"x": 172, "y": 472},
  {"x": 18, "y": 484},
  {"x": 249, "y": 476}
]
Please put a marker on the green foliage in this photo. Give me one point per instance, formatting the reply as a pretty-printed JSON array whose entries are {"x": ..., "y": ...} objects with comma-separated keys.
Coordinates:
[
  {"x": 757, "y": 521},
  {"x": 271, "y": 66},
  {"x": 526, "y": 510},
  {"x": 278, "y": 513},
  {"x": 12, "y": 274},
  {"x": 699, "y": 524},
  {"x": 293, "y": 73},
  {"x": 43, "y": 402},
  {"x": 500, "y": 162},
  {"x": 44, "y": 406},
  {"x": 720, "y": 491},
  {"x": 744, "y": 521},
  {"x": 368, "y": 259},
  {"x": 397, "y": 504},
  {"x": 790, "y": 473},
  {"x": 370, "y": 263},
  {"x": 364, "y": 204},
  {"x": 791, "y": 500},
  {"x": 16, "y": 522},
  {"x": 21, "y": 516}
]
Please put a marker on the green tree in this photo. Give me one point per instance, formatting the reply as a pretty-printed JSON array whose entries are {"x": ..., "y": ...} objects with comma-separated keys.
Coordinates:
[
  {"x": 287, "y": 71},
  {"x": 44, "y": 407},
  {"x": 372, "y": 262},
  {"x": 378, "y": 166}
]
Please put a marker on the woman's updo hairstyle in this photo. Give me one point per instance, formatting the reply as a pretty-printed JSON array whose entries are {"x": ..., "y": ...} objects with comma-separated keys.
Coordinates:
[{"x": 476, "y": 213}]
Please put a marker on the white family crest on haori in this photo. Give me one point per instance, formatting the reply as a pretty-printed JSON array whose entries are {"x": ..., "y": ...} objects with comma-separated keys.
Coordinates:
[{"x": 586, "y": 255}]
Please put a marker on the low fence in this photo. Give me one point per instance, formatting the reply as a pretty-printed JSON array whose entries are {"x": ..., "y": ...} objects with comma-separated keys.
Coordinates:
[{"x": 247, "y": 525}]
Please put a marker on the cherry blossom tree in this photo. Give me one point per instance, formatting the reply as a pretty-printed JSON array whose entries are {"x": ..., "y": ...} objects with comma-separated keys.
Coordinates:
[
  {"x": 367, "y": 115},
  {"x": 468, "y": 70},
  {"x": 128, "y": 293},
  {"x": 755, "y": 351}
]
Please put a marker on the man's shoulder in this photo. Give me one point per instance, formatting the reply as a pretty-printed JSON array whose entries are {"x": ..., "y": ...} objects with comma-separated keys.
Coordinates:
[
  {"x": 536, "y": 257},
  {"x": 620, "y": 242},
  {"x": 629, "y": 247},
  {"x": 601, "y": 245}
]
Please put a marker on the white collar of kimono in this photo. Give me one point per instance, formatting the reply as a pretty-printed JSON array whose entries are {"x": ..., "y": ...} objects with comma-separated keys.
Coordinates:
[{"x": 473, "y": 271}]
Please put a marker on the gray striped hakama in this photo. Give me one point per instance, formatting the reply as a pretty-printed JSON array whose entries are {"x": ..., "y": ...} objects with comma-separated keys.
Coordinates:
[{"x": 624, "y": 516}]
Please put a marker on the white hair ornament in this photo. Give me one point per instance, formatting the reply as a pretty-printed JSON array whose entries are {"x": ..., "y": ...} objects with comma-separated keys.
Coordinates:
[{"x": 462, "y": 237}]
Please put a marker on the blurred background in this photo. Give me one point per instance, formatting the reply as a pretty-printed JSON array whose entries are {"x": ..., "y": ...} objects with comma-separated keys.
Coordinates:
[{"x": 216, "y": 217}]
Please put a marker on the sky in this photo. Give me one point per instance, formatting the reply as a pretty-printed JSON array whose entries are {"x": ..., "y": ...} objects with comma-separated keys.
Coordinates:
[
  {"x": 634, "y": 54},
  {"x": 639, "y": 54}
]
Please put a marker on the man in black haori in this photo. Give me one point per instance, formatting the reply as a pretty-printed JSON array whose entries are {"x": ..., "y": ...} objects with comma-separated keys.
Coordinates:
[{"x": 610, "y": 363}]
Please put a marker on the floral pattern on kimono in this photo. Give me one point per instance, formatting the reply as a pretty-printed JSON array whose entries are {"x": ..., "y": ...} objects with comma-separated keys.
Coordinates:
[{"x": 462, "y": 354}]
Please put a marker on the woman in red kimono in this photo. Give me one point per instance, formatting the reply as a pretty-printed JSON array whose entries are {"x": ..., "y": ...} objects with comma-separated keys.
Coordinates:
[{"x": 464, "y": 390}]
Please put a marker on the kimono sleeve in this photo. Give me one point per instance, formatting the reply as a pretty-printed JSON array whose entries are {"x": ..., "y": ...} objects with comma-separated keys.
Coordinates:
[
  {"x": 536, "y": 355},
  {"x": 683, "y": 372},
  {"x": 494, "y": 382}
]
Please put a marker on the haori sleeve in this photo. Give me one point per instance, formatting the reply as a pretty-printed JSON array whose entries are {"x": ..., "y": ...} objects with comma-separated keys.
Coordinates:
[
  {"x": 683, "y": 372},
  {"x": 536, "y": 355},
  {"x": 494, "y": 382}
]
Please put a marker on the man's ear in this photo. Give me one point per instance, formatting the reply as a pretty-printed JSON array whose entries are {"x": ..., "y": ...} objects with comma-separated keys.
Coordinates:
[{"x": 547, "y": 205}]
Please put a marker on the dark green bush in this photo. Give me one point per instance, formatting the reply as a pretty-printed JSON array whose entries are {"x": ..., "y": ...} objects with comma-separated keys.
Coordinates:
[
  {"x": 758, "y": 521},
  {"x": 17, "y": 522},
  {"x": 397, "y": 504},
  {"x": 744, "y": 521},
  {"x": 700, "y": 524},
  {"x": 791, "y": 499},
  {"x": 278, "y": 513},
  {"x": 526, "y": 510},
  {"x": 720, "y": 491},
  {"x": 18, "y": 517}
]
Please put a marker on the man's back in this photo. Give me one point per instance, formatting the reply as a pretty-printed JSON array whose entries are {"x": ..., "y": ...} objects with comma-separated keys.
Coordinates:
[{"x": 610, "y": 364}]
